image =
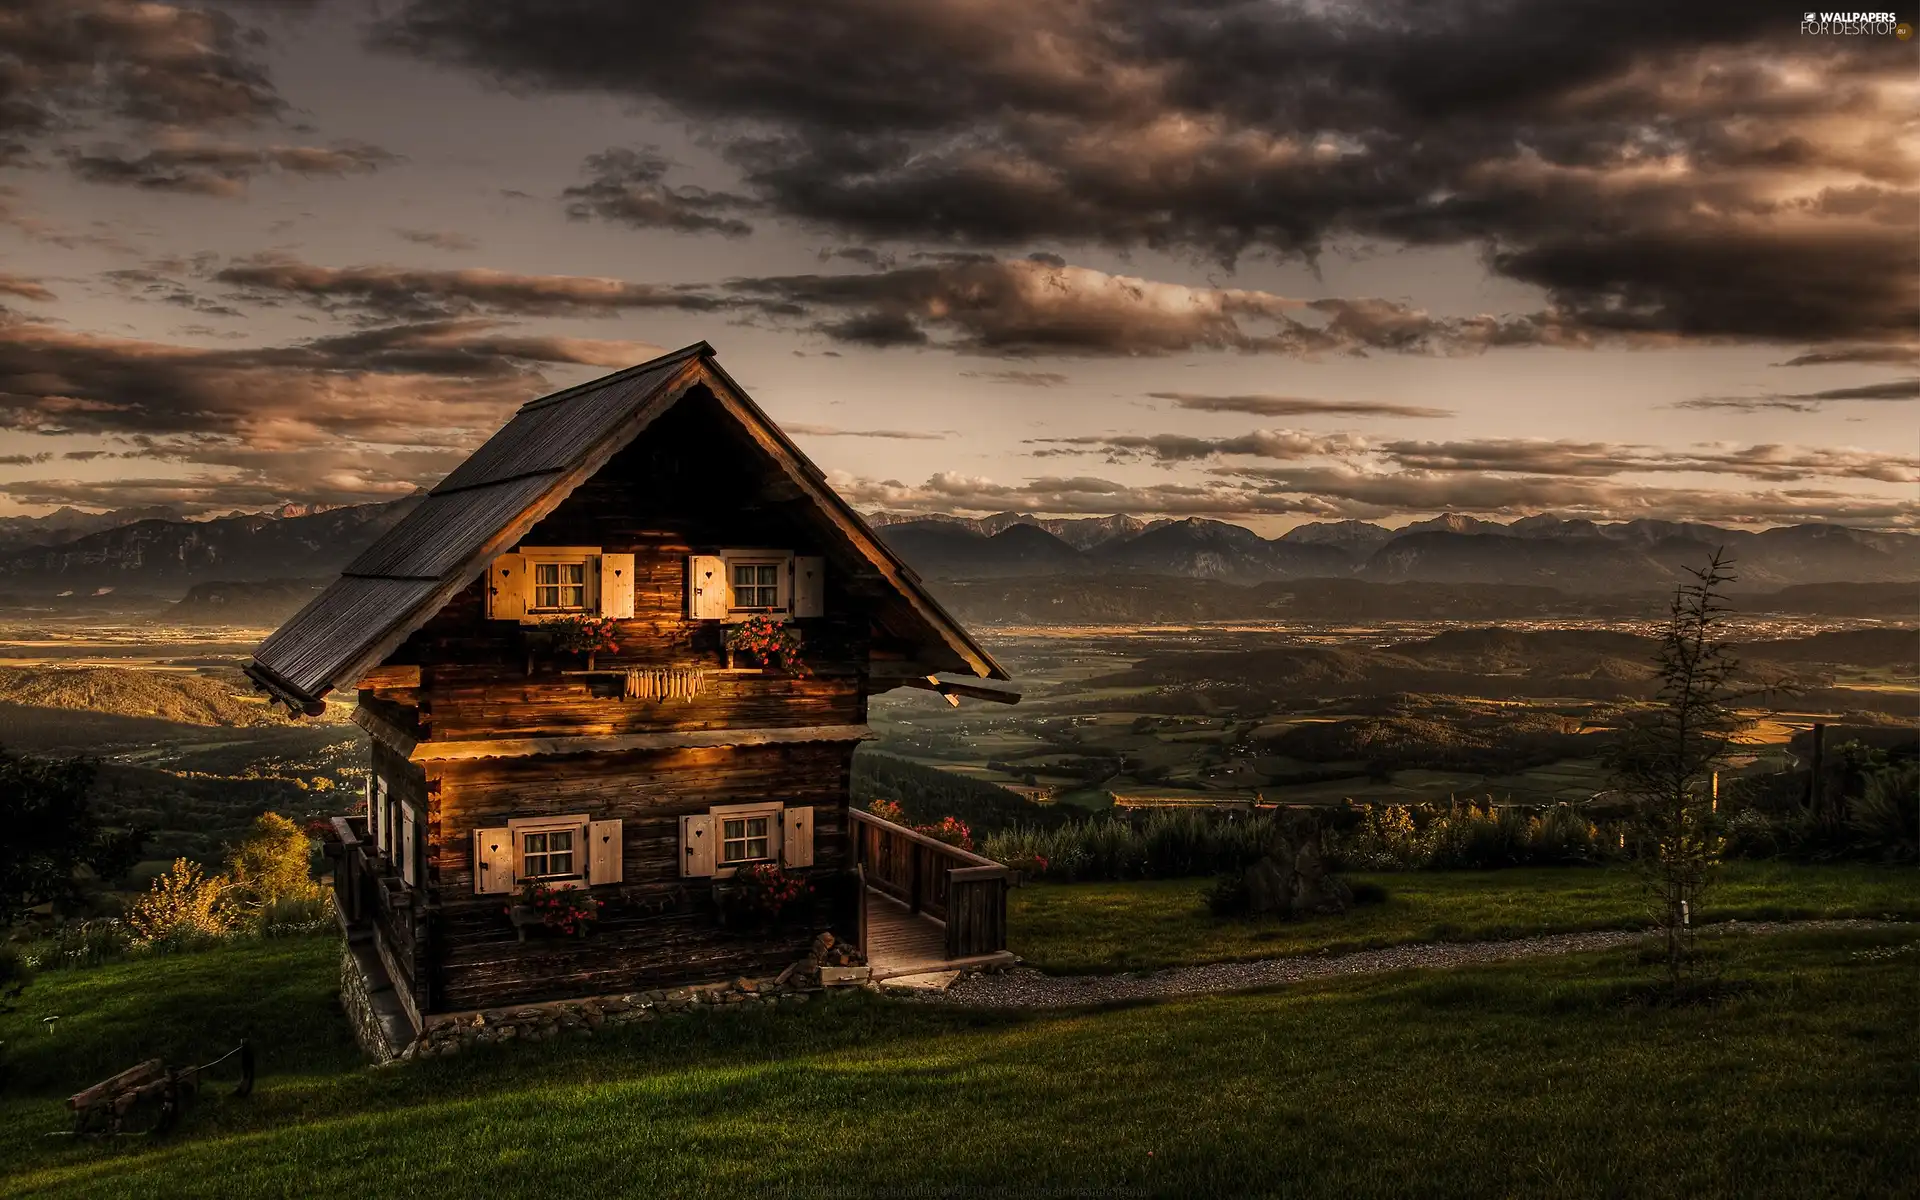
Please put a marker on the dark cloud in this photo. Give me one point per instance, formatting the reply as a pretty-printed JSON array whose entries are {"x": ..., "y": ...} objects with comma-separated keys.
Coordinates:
[
  {"x": 360, "y": 415},
  {"x": 1295, "y": 406},
  {"x": 902, "y": 435},
  {"x": 866, "y": 256},
  {"x": 1037, "y": 379},
  {"x": 1893, "y": 356},
  {"x": 978, "y": 304},
  {"x": 1697, "y": 171},
  {"x": 439, "y": 239},
  {"x": 413, "y": 293},
  {"x": 1504, "y": 456},
  {"x": 23, "y": 460},
  {"x": 629, "y": 187},
  {"x": 1168, "y": 448},
  {"x": 74, "y": 64},
  {"x": 1897, "y": 390},
  {"x": 218, "y": 168}
]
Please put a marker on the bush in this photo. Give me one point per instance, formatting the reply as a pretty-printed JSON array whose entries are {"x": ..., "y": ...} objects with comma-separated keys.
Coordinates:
[
  {"x": 290, "y": 915},
  {"x": 185, "y": 908},
  {"x": 87, "y": 943},
  {"x": 16, "y": 971},
  {"x": 1886, "y": 818},
  {"x": 271, "y": 866}
]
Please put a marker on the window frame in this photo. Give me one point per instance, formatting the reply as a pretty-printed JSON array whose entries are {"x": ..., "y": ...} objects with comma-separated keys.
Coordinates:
[
  {"x": 574, "y": 825},
  {"x": 584, "y": 557},
  {"x": 770, "y": 811},
  {"x": 782, "y": 563}
]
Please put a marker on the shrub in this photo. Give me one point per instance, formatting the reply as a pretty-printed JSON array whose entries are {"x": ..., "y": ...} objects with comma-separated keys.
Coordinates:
[
  {"x": 1562, "y": 835},
  {"x": 16, "y": 972},
  {"x": 185, "y": 907},
  {"x": 1751, "y": 833},
  {"x": 1886, "y": 819},
  {"x": 271, "y": 865},
  {"x": 88, "y": 943},
  {"x": 288, "y": 915},
  {"x": 1385, "y": 840}
]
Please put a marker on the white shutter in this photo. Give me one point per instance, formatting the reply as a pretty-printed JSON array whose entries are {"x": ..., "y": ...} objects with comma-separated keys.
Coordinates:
[
  {"x": 409, "y": 847},
  {"x": 603, "y": 853},
  {"x": 616, "y": 586},
  {"x": 796, "y": 837},
  {"x": 492, "y": 861},
  {"x": 697, "y": 851},
  {"x": 706, "y": 587},
  {"x": 809, "y": 586},
  {"x": 507, "y": 588},
  {"x": 381, "y": 839}
]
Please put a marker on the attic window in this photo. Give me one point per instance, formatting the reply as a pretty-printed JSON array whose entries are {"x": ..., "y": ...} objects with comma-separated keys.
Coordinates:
[
  {"x": 560, "y": 586},
  {"x": 757, "y": 586}
]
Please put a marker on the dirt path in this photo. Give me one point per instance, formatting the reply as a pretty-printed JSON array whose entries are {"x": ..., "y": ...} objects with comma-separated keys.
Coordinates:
[{"x": 1024, "y": 987}]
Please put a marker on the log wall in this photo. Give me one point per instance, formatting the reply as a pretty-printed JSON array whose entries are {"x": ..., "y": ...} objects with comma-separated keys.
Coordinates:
[{"x": 656, "y": 929}]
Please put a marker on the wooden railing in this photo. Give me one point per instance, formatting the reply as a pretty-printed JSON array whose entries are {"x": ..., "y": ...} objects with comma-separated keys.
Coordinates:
[
  {"x": 959, "y": 887},
  {"x": 356, "y": 871}
]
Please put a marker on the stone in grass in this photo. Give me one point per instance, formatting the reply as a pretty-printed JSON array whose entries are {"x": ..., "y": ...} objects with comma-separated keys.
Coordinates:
[{"x": 1293, "y": 882}]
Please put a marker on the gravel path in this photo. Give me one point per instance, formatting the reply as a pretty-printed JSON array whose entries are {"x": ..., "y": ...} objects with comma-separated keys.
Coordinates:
[{"x": 1024, "y": 987}]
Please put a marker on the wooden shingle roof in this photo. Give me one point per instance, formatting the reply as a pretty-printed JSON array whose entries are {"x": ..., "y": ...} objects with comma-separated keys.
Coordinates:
[{"x": 524, "y": 471}]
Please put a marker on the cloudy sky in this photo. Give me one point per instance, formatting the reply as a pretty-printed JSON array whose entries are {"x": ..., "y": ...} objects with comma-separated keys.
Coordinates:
[{"x": 1265, "y": 262}]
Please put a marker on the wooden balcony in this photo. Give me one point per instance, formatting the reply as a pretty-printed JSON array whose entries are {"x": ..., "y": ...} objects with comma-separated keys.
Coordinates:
[{"x": 928, "y": 904}]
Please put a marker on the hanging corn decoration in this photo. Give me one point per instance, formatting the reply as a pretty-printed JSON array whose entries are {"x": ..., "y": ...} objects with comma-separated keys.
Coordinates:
[{"x": 663, "y": 683}]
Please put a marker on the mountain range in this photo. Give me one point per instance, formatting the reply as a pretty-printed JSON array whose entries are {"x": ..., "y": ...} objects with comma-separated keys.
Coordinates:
[
  {"x": 1575, "y": 556},
  {"x": 156, "y": 552}
]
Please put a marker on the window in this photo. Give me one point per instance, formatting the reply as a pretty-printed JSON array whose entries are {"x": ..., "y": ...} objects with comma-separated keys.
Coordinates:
[
  {"x": 746, "y": 839},
  {"x": 757, "y": 585},
  {"x": 548, "y": 854},
  {"x": 560, "y": 586},
  {"x": 568, "y": 851},
  {"x": 726, "y": 837}
]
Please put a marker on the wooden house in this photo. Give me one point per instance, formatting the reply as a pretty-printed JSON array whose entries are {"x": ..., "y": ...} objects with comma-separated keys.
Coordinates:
[{"x": 663, "y": 499}]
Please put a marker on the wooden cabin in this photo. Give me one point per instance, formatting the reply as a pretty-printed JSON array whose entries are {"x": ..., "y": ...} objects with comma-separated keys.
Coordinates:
[{"x": 661, "y": 498}]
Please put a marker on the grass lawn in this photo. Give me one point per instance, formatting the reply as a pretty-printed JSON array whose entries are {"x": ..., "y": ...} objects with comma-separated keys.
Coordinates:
[
  {"x": 1086, "y": 928},
  {"x": 1537, "y": 1078}
]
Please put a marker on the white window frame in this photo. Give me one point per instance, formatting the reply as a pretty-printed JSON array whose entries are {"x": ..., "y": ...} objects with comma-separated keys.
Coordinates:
[
  {"x": 584, "y": 557},
  {"x": 782, "y": 563},
  {"x": 770, "y": 812},
  {"x": 576, "y": 825}
]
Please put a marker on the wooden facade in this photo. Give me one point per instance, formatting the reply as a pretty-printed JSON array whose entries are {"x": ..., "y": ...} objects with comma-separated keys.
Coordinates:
[{"x": 493, "y": 748}]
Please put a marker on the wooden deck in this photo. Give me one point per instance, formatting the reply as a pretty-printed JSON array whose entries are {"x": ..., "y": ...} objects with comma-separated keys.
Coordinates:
[{"x": 900, "y": 941}]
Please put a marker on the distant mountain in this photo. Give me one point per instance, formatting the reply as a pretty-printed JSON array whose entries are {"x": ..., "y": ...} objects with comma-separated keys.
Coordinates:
[
  {"x": 1575, "y": 565},
  {"x": 952, "y": 549},
  {"x": 1451, "y": 523},
  {"x": 159, "y": 553},
  {"x": 1082, "y": 533},
  {"x": 66, "y": 524},
  {"x": 1577, "y": 556},
  {"x": 1202, "y": 549},
  {"x": 1360, "y": 538}
]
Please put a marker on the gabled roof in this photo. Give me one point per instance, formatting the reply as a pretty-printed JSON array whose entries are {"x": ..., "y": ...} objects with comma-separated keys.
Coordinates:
[{"x": 522, "y": 473}]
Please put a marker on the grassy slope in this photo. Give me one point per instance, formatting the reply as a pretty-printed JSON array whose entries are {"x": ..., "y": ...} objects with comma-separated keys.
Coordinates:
[
  {"x": 1532, "y": 1078},
  {"x": 1099, "y": 927}
]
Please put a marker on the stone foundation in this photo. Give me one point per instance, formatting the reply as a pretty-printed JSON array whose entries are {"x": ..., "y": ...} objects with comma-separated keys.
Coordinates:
[
  {"x": 369, "y": 1022},
  {"x": 454, "y": 1032}
]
